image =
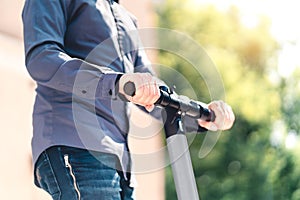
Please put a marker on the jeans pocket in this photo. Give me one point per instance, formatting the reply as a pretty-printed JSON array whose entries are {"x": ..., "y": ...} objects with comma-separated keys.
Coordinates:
[
  {"x": 95, "y": 179},
  {"x": 45, "y": 177}
]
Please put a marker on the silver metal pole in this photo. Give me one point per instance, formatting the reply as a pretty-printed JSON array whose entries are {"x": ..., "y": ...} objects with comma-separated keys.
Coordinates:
[{"x": 183, "y": 173}]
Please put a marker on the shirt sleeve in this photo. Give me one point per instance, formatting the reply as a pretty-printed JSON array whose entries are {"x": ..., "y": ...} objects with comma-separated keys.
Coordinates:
[{"x": 45, "y": 24}]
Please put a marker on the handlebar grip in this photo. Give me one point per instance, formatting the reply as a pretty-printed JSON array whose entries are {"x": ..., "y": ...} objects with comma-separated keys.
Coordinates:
[
  {"x": 207, "y": 115},
  {"x": 166, "y": 100},
  {"x": 129, "y": 88}
]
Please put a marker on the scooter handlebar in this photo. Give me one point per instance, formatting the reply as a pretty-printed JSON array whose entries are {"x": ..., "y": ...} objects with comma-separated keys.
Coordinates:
[{"x": 181, "y": 103}]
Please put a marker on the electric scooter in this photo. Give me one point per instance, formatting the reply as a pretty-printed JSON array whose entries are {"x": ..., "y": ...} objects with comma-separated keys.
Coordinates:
[{"x": 175, "y": 108}]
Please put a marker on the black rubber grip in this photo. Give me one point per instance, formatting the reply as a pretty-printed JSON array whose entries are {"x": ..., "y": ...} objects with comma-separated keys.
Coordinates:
[
  {"x": 129, "y": 88},
  {"x": 166, "y": 99}
]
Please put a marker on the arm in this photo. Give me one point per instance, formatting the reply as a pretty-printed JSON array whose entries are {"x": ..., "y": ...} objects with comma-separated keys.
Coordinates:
[{"x": 45, "y": 24}]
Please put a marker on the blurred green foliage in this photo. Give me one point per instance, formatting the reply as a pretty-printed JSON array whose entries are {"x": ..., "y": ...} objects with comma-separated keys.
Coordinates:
[
  {"x": 244, "y": 164},
  {"x": 290, "y": 96}
]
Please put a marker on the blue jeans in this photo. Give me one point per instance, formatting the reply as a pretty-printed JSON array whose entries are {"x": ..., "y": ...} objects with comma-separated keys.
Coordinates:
[{"x": 68, "y": 173}]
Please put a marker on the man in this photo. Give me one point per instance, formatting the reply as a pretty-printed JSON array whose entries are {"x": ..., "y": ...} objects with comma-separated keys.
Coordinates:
[{"x": 81, "y": 53}]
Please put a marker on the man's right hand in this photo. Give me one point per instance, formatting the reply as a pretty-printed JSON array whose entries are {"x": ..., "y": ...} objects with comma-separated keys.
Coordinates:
[{"x": 147, "y": 89}]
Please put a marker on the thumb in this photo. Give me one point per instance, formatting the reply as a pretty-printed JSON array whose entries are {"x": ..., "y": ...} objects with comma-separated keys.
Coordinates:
[{"x": 208, "y": 125}]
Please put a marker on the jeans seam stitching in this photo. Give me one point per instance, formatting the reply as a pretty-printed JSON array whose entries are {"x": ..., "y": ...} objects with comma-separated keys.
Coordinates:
[
  {"x": 73, "y": 177},
  {"x": 52, "y": 171}
]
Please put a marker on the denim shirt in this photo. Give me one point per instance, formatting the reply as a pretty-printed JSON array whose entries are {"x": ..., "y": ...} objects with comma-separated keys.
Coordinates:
[{"x": 75, "y": 50}]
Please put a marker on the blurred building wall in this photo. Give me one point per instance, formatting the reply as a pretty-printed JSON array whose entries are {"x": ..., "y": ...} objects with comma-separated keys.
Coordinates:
[{"x": 16, "y": 102}]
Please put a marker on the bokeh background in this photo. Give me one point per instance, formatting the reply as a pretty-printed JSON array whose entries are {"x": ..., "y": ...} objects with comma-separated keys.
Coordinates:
[{"x": 255, "y": 46}]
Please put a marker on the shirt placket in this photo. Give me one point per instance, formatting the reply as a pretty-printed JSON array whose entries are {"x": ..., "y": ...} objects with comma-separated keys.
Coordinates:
[
  {"x": 125, "y": 63},
  {"x": 121, "y": 36}
]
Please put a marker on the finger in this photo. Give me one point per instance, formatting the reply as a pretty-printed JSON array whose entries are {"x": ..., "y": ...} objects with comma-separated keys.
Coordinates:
[
  {"x": 222, "y": 114},
  {"x": 230, "y": 113},
  {"x": 208, "y": 125},
  {"x": 216, "y": 107},
  {"x": 226, "y": 114},
  {"x": 222, "y": 107},
  {"x": 142, "y": 94},
  {"x": 140, "y": 88},
  {"x": 149, "y": 108},
  {"x": 155, "y": 94},
  {"x": 150, "y": 92},
  {"x": 230, "y": 119}
]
